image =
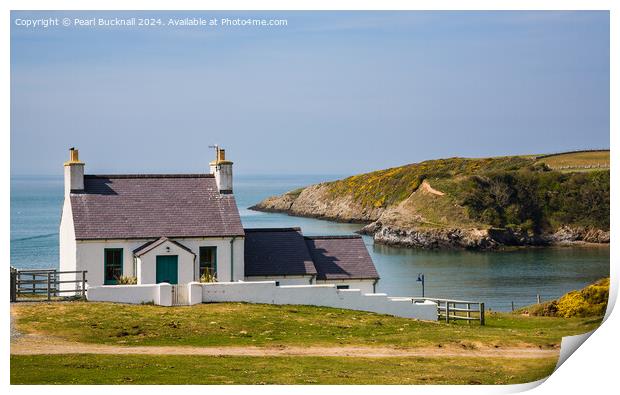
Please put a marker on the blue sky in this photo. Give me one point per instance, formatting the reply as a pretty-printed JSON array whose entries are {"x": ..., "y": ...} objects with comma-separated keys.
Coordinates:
[{"x": 331, "y": 93}]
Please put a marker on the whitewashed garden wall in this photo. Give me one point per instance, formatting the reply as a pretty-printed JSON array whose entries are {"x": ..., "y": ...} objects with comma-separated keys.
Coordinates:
[{"x": 267, "y": 292}]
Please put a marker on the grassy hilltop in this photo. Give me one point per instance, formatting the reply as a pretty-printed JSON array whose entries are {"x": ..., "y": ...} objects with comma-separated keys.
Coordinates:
[{"x": 529, "y": 194}]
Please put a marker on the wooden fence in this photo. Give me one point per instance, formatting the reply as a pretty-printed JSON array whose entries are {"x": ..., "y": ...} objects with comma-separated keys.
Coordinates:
[
  {"x": 45, "y": 284},
  {"x": 454, "y": 310}
]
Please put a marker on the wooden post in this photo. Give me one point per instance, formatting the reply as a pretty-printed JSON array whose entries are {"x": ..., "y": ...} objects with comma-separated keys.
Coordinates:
[
  {"x": 481, "y": 308},
  {"x": 55, "y": 282},
  {"x": 538, "y": 298},
  {"x": 468, "y": 312},
  {"x": 512, "y": 305},
  {"x": 13, "y": 285},
  {"x": 447, "y": 312},
  {"x": 84, "y": 284},
  {"x": 49, "y": 286},
  {"x": 33, "y": 284}
]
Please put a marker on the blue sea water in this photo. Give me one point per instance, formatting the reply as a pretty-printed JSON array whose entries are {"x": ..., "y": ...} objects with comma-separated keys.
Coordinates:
[{"x": 496, "y": 278}]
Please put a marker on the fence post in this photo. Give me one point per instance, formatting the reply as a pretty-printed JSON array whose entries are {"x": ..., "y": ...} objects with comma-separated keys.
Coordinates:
[
  {"x": 34, "y": 284},
  {"x": 55, "y": 282},
  {"x": 49, "y": 286},
  {"x": 13, "y": 285},
  {"x": 468, "y": 313},
  {"x": 481, "y": 313},
  {"x": 447, "y": 312},
  {"x": 84, "y": 284}
]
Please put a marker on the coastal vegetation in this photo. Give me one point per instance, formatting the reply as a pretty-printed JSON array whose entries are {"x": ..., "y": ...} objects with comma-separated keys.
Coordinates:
[
  {"x": 389, "y": 187},
  {"x": 536, "y": 199},
  {"x": 471, "y": 203},
  {"x": 590, "y": 301}
]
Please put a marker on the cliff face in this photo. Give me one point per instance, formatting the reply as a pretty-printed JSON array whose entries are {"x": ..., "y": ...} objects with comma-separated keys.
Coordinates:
[
  {"x": 315, "y": 201},
  {"x": 459, "y": 203},
  {"x": 478, "y": 239}
]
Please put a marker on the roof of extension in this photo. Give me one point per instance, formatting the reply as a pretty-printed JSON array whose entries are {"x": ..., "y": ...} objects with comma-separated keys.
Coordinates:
[
  {"x": 285, "y": 251},
  {"x": 341, "y": 257},
  {"x": 276, "y": 251},
  {"x": 139, "y": 206}
]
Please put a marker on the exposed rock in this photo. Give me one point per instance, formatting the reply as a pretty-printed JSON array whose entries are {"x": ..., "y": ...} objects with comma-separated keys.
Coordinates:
[
  {"x": 315, "y": 201},
  {"x": 476, "y": 239},
  {"x": 434, "y": 238},
  {"x": 570, "y": 234},
  {"x": 449, "y": 238}
]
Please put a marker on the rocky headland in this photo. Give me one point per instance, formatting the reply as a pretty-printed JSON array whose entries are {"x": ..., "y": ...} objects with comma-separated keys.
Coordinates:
[{"x": 457, "y": 203}]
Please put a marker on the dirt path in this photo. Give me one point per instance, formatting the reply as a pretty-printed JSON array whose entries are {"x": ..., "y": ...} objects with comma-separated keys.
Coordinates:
[
  {"x": 37, "y": 344},
  {"x": 428, "y": 188}
]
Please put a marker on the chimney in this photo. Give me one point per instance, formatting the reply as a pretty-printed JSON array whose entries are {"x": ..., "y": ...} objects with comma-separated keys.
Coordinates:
[
  {"x": 222, "y": 169},
  {"x": 74, "y": 173}
]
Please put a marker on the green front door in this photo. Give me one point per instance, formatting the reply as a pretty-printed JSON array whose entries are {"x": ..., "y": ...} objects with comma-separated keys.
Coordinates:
[{"x": 167, "y": 269}]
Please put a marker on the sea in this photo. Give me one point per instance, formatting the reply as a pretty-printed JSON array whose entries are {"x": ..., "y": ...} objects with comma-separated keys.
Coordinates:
[{"x": 500, "y": 279}]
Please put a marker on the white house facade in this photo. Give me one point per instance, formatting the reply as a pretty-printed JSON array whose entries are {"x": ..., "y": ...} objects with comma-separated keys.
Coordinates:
[{"x": 179, "y": 228}]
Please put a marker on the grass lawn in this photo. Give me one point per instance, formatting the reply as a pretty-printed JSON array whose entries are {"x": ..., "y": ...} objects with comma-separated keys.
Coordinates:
[
  {"x": 238, "y": 324},
  {"x": 578, "y": 159},
  {"x": 168, "y": 369}
]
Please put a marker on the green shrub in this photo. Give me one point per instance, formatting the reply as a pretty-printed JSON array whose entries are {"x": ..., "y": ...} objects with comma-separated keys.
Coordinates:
[
  {"x": 126, "y": 280},
  {"x": 539, "y": 200},
  {"x": 588, "y": 302},
  {"x": 208, "y": 278}
]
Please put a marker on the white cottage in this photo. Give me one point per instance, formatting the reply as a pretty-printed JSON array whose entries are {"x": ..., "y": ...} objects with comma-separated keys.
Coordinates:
[{"x": 176, "y": 228}]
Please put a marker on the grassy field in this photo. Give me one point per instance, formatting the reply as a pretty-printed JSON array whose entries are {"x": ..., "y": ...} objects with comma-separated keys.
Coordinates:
[
  {"x": 270, "y": 327},
  {"x": 168, "y": 369},
  {"x": 239, "y": 324},
  {"x": 578, "y": 160}
]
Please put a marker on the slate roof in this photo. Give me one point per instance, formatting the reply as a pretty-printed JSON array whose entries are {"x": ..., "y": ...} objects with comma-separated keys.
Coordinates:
[
  {"x": 276, "y": 252},
  {"x": 341, "y": 257},
  {"x": 285, "y": 251},
  {"x": 153, "y": 205}
]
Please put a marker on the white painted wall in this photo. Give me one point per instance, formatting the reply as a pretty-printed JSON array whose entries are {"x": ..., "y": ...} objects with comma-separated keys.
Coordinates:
[
  {"x": 223, "y": 245},
  {"x": 146, "y": 264},
  {"x": 284, "y": 280},
  {"x": 366, "y": 286},
  {"x": 159, "y": 294},
  {"x": 317, "y": 295},
  {"x": 267, "y": 292},
  {"x": 67, "y": 251},
  {"x": 194, "y": 293},
  {"x": 134, "y": 294},
  {"x": 90, "y": 256}
]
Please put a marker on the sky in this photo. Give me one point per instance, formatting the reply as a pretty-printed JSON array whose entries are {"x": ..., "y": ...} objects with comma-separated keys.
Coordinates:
[{"x": 329, "y": 93}]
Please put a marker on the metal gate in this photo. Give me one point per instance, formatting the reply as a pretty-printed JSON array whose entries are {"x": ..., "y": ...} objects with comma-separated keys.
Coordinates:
[{"x": 180, "y": 295}]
